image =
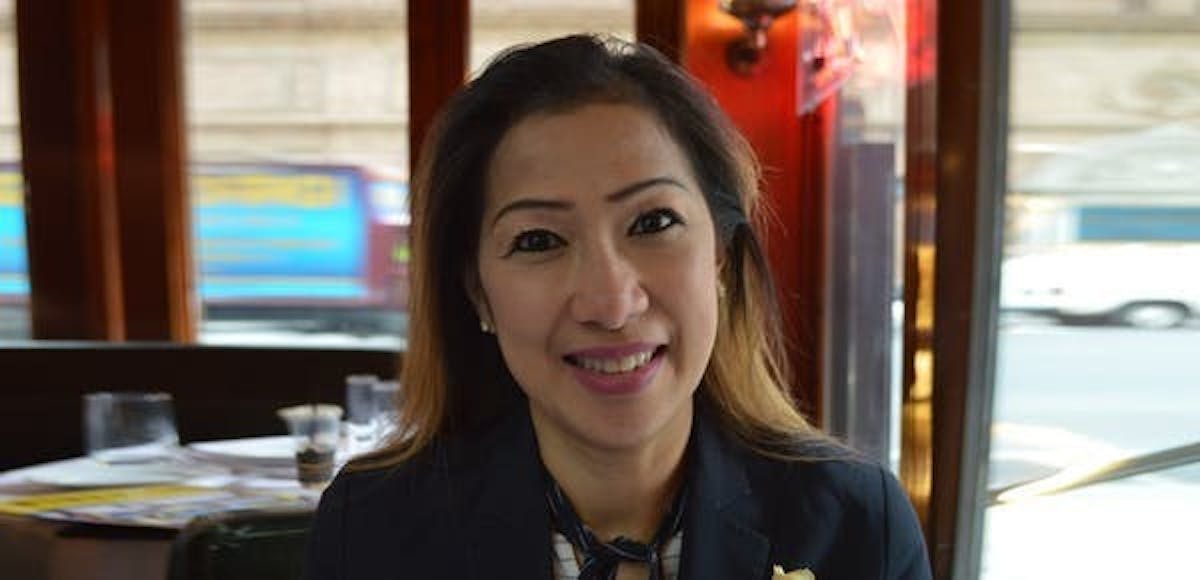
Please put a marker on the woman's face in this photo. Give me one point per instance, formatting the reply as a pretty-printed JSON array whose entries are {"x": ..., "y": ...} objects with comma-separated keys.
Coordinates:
[{"x": 598, "y": 271}]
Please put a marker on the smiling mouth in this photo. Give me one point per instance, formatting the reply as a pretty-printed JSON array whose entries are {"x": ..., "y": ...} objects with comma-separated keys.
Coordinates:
[{"x": 617, "y": 365}]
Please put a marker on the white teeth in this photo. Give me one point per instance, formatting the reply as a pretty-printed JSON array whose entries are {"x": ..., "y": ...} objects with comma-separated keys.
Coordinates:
[{"x": 615, "y": 365}]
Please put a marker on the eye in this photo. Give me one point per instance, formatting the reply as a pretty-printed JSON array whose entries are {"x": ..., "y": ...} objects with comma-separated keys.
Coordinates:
[
  {"x": 654, "y": 221},
  {"x": 535, "y": 241}
]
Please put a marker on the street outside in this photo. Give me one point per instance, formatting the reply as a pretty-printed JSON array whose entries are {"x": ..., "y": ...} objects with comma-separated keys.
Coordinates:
[{"x": 1081, "y": 395}]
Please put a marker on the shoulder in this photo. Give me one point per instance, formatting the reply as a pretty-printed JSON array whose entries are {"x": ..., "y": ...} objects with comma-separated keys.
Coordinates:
[
  {"x": 420, "y": 511},
  {"x": 856, "y": 505},
  {"x": 365, "y": 516},
  {"x": 853, "y": 486},
  {"x": 378, "y": 488}
]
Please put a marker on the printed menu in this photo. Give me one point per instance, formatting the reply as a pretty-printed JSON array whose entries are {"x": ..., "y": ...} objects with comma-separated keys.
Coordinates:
[{"x": 160, "y": 506}]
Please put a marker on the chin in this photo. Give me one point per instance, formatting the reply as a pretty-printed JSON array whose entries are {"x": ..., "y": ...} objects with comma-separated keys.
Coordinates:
[{"x": 629, "y": 428}]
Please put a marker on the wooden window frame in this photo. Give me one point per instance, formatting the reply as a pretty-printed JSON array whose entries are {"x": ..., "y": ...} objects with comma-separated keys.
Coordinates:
[
  {"x": 438, "y": 51},
  {"x": 101, "y": 113},
  {"x": 66, "y": 150},
  {"x": 956, "y": 119}
]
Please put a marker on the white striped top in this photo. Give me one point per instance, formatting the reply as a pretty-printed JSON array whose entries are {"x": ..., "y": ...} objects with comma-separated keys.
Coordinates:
[{"x": 567, "y": 568}]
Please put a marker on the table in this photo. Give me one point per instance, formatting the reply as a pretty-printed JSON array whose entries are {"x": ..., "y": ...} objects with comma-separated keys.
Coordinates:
[{"x": 38, "y": 549}]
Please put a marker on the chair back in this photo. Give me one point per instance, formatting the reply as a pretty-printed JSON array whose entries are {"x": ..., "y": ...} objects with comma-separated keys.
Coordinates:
[{"x": 252, "y": 545}]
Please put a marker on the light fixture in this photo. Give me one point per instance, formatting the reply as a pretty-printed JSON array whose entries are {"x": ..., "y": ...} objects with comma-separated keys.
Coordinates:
[{"x": 757, "y": 15}]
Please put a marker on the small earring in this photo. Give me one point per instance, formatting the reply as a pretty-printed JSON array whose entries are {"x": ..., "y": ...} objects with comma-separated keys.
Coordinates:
[{"x": 485, "y": 328}]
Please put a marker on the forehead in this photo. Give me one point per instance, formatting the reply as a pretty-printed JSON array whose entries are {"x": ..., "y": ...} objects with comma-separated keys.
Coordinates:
[{"x": 592, "y": 148}]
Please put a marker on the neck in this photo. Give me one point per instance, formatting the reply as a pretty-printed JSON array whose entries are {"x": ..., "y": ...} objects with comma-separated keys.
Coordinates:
[{"x": 619, "y": 492}]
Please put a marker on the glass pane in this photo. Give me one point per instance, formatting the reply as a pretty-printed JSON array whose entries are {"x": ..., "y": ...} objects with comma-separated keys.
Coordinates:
[
  {"x": 867, "y": 206},
  {"x": 299, "y": 182},
  {"x": 14, "y": 282},
  {"x": 498, "y": 24},
  {"x": 1100, "y": 291}
]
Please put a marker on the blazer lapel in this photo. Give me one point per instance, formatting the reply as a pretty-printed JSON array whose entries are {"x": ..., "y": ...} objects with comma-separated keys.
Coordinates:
[
  {"x": 507, "y": 528},
  {"x": 722, "y": 532}
]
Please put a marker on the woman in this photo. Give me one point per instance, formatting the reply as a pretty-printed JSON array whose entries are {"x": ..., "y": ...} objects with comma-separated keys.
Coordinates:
[{"x": 594, "y": 384}]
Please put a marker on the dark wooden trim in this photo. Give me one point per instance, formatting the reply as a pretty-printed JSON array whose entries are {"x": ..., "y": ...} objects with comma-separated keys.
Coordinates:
[
  {"x": 920, "y": 204},
  {"x": 974, "y": 84},
  {"x": 956, "y": 172},
  {"x": 438, "y": 44},
  {"x": 660, "y": 24},
  {"x": 66, "y": 149},
  {"x": 148, "y": 111}
]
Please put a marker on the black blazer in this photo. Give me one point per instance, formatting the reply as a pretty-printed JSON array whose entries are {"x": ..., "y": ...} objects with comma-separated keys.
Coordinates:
[{"x": 474, "y": 508}]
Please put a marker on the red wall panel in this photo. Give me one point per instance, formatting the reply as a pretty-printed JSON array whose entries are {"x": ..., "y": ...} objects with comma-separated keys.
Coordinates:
[{"x": 793, "y": 150}]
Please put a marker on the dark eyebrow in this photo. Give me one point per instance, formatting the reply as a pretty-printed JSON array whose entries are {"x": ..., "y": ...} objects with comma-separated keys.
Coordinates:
[
  {"x": 530, "y": 204},
  {"x": 618, "y": 195},
  {"x": 633, "y": 188}
]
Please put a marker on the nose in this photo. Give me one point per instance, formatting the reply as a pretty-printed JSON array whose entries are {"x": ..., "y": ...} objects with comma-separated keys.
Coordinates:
[{"x": 608, "y": 290}]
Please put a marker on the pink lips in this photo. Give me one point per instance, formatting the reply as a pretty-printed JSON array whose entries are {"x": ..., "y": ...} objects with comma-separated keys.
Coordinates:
[{"x": 617, "y": 383}]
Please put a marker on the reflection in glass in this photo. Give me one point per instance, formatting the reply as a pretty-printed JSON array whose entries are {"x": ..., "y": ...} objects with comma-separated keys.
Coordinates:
[{"x": 863, "y": 402}]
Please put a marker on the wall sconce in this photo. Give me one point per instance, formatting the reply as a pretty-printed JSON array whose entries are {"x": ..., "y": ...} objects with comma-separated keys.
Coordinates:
[{"x": 757, "y": 15}]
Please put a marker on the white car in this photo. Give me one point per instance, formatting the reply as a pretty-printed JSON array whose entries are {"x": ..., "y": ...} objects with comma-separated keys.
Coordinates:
[{"x": 1142, "y": 285}]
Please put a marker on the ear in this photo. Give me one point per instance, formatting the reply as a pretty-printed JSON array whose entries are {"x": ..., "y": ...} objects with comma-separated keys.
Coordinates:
[
  {"x": 474, "y": 290},
  {"x": 721, "y": 255},
  {"x": 722, "y": 242}
]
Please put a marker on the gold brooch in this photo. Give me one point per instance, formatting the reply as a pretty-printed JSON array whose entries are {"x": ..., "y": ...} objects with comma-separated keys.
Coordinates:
[{"x": 801, "y": 574}]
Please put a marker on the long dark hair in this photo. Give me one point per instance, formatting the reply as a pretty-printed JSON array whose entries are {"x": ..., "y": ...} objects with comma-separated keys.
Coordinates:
[{"x": 454, "y": 375}]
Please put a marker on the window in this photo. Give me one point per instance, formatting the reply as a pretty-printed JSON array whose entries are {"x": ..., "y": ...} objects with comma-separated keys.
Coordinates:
[
  {"x": 299, "y": 177},
  {"x": 1096, "y": 360},
  {"x": 299, "y": 143},
  {"x": 496, "y": 25}
]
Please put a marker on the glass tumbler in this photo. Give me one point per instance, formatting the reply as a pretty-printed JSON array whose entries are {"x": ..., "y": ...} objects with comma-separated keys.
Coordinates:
[{"x": 129, "y": 427}]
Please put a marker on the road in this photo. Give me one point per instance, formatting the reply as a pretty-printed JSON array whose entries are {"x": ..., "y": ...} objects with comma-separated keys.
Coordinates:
[
  {"x": 1096, "y": 389},
  {"x": 1137, "y": 389},
  {"x": 1070, "y": 396}
]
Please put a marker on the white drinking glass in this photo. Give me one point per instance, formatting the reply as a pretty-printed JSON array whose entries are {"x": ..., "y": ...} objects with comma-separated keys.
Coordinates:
[
  {"x": 386, "y": 397},
  {"x": 129, "y": 427},
  {"x": 315, "y": 429},
  {"x": 360, "y": 413}
]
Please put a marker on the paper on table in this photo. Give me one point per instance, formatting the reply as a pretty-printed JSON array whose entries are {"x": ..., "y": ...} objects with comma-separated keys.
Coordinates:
[
  {"x": 275, "y": 451},
  {"x": 43, "y": 502},
  {"x": 86, "y": 473},
  {"x": 154, "y": 506}
]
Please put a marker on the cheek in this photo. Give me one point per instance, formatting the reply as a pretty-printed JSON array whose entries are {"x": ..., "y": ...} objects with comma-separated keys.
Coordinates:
[
  {"x": 520, "y": 302},
  {"x": 686, "y": 285},
  {"x": 705, "y": 297}
]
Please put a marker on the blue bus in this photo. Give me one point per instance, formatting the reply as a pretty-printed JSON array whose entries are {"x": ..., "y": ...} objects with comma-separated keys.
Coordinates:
[{"x": 322, "y": 244}]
